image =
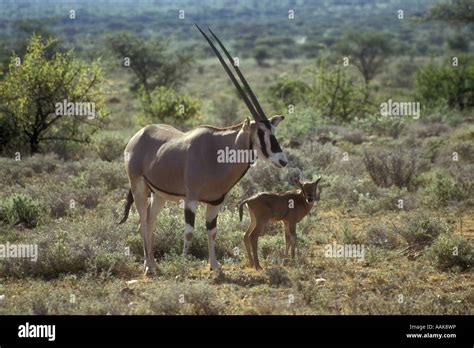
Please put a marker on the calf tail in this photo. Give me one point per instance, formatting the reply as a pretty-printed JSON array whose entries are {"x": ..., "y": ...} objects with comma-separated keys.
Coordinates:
[
  {"x": 241, "y": 209},
  {"x": 128, "y": 204}
]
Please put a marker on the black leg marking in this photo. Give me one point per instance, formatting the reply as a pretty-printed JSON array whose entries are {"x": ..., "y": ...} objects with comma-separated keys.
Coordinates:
[
  {"x": 211, "y": 224},
  {"x": 189, "y": 217}
]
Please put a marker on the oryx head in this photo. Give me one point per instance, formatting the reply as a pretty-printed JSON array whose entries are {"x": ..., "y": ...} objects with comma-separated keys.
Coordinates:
[
  {"x": 262, "y": 129},
  {"x": 309, "y": 189}
]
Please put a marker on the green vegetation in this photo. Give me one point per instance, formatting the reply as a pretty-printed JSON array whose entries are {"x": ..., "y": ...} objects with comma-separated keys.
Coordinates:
[
  {"x": 32, "y": 89},
  {"x": 401, "y": 185}
]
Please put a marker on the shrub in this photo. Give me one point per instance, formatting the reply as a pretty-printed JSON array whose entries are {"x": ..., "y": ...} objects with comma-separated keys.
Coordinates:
[
  {"x": 278, "y": 276},
  {"x": 387, "y": 168},
  {"x": 165, "y": 105},
  {"x": 289, "y": 92},
  {"x": 422, "y": 229},
  {"x": 381, "y": 236},
  {"x": 22, "y": 209},
  {"x": 196, "y": 299},
  {"x": 389, "y": 126},
  {"x": 447, "y": 84},
  {"x": 336, "y": 93},
  {"x": 109, "y": 147},
  {"x": 452, "y": 251},
  {"x": 444, "y": 189}
]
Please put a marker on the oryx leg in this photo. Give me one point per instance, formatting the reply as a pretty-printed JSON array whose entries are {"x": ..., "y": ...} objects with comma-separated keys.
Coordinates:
[
  {"x": 140, "y": 191},
  {"x": 154, "y": 208},
  {"x": 189, "y": 218},
  {"x": 248, "y": 243},
  {"x": 211, "y": 223}
]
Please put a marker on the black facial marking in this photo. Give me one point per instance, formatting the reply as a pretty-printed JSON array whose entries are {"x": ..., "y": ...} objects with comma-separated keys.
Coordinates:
[
  {"x": 274, "y": 144},
  {"x": 212, "y": 224},
  {"x": 189, "y": 217},
  {"x": 261, "y": 137}
]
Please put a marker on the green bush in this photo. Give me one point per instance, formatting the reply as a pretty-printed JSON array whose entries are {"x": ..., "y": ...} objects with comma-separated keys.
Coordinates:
[
  {"x": 445, "y": 189},
  {"x": 91, "y": 246},
  {"x": 381, "y": 236},
  {"x": 387, "y": 168},
  {"x": 452, "y": 251},
  {"x": 337, "y": 93},
  {"x": 109, "y": 147},
  {"x": 163, "y": 105},
  {"x": 447, "y": 84},
  {"x": 187, "y": 298},
  {"x": 289, "y": 92},
  {"x": 383, "y": 125},
  {"x": 22, "y": 209},
  {"x": 422, "y": 229}
]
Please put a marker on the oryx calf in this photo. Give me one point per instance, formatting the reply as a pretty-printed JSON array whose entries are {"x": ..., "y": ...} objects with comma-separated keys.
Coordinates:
[{"x": 290, "y": 207}]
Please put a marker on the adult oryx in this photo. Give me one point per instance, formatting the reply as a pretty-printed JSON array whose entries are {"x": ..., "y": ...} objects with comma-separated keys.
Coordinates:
[{"x": 175, "y": 165}]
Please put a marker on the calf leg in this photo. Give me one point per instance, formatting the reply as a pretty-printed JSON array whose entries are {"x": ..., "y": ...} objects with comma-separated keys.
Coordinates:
[
  {"x": 254, "y": 243},
  {"x": 247, "y": 241}
]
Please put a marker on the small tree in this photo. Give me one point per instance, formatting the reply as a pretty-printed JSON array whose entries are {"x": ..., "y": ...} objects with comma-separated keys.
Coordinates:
[
  {"x": 31, "y": 91},
  {"x": 165, "y": 105},
  {"x": 151, "y": 63},
  {"x": 453, "y": 11},
  {"x": 287, "y": 91},
  {"x": 261, "y": 55},
  {"x": 447, "y": 84},
  {"x": 336, "y": 93},
  {"x": 367, "y": 52}
]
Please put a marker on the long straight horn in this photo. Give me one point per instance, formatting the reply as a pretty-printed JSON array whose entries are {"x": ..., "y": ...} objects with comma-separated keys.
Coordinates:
[
  {"x": 244, "y": 96},
  {"x": 241, "y": 76}
]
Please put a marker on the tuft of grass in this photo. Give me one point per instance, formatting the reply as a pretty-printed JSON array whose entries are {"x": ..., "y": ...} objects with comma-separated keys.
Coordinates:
[
  {"x": 22, "y": 209},
  {"x": 422, "y": 229},
  {"x": 451, "y": 251}
]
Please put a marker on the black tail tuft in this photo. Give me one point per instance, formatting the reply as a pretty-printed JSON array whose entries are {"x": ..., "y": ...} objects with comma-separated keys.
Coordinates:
[
  {"x": 127, "y": 207},
  {"x": 241, "y": 209}
]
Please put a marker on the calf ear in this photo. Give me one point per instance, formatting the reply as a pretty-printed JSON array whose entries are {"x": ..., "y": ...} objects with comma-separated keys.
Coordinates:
[
  {"x": 246, "y": 126},
  {"x": 317, "y": 181}
]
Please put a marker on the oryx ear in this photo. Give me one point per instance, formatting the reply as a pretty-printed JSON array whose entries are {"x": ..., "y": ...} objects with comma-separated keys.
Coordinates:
[
  {"x": 246, "y": 125},
  {"x": 316, "y": 182},
  {"x": 275, "y": 120}
]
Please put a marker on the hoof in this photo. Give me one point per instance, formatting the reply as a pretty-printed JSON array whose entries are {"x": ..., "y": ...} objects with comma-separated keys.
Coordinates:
[
  {"x": 152, "y": 270},
  {"x": 215, "y": 267}
]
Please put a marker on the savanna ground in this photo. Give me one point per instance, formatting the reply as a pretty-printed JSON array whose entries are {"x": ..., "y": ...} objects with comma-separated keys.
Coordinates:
[{"x": 399, "y": 186}]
